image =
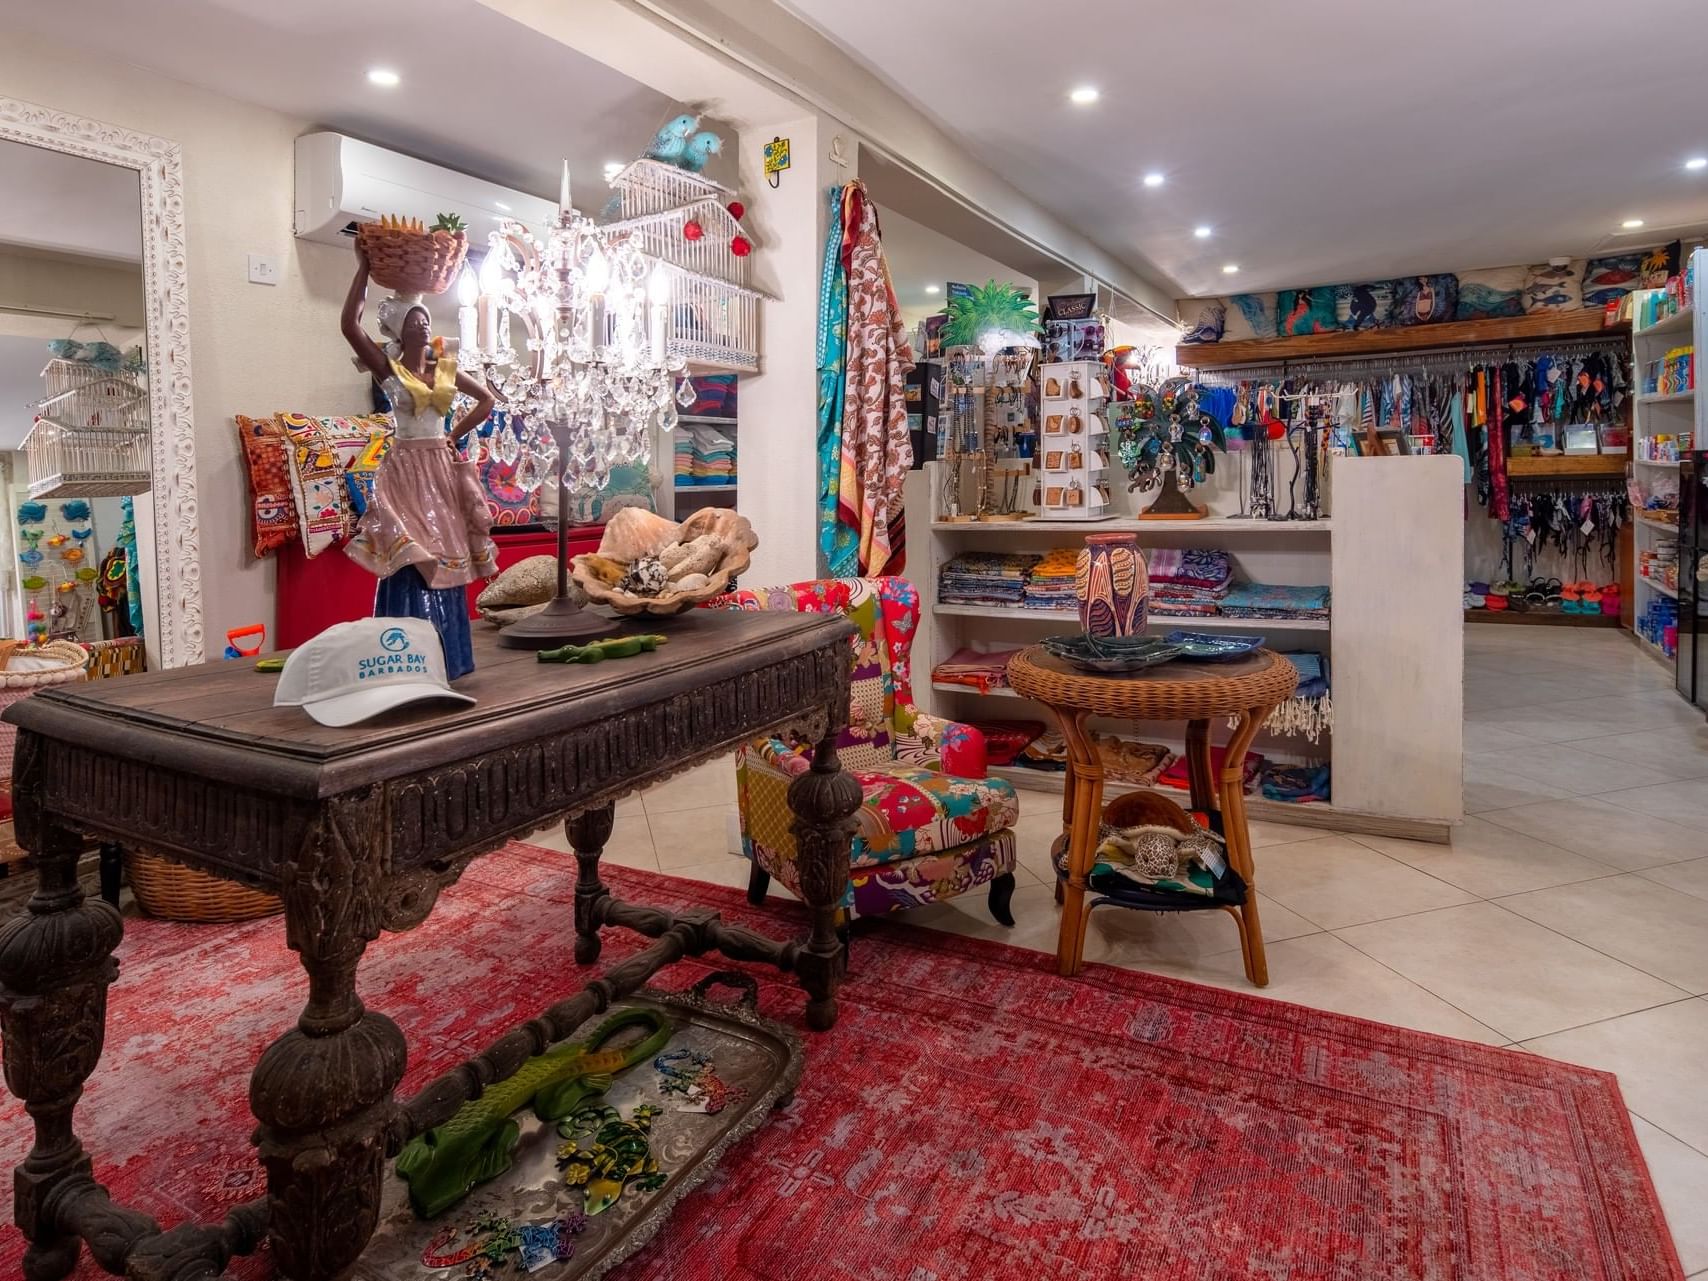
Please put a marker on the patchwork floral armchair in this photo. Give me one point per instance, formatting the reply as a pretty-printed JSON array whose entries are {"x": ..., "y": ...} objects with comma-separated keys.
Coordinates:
[{"x": 931, "y": 825}]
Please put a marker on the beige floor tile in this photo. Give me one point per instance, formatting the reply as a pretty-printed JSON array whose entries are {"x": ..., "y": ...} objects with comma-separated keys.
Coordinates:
[
  {"x": 1644, "y": 708},
  {"x": 1507, "y": 972},
  {"x": 709, "y": 784},
  {"x": 630, "y": 844},
  {"x": 683, "y": 838},
  {"x": 1571, "y": 768},
  {"x": 1657, "y": 1055},
  {"x": 1036, "y": 918},
  {"x": 731, "y": 870},
  {"x": 1264, "y": 834},
  {"x": 1540, "y": 722},
  {"x": 1691, "y": 876},
  {"x": 1482, "y": 738},
  {"x": 1626, "y": 917},
  {"x": 1600, "y": 830},
  {"x": 1685, "y": 803},
  {"x": 1334, "y": 882},
  {"x": 1680, "y": 1173},
  {"x": 1488, "y": 860},
  {"x": 1490, "y": 785}
]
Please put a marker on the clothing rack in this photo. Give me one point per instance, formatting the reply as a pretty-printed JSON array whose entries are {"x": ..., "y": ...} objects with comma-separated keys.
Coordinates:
[{"x": 1442, "y": 361}]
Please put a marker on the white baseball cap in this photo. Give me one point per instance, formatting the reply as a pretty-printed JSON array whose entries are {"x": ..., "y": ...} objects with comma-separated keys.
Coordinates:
[{"x": 352, "y": 671}]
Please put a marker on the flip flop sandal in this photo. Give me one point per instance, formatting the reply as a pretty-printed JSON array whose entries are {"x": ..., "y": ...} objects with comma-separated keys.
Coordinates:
[
  {"x": 1554, "y": 589},
  {"x": 1498, "y": 598},
  {"x": 1536, "y": 595}
]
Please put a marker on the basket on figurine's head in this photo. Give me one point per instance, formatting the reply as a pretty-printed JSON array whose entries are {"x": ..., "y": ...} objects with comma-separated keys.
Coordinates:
[{"x": 406, "y": 256}]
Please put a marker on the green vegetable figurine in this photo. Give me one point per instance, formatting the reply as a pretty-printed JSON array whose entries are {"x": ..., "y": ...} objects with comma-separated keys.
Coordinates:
[
  {"x": 598, "y": 651},
  {"x": 448, "y": 222},
  {"x": 475, "y": 1145}
]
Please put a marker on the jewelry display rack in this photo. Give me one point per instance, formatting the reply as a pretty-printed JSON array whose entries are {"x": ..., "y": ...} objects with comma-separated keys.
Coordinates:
[{"x": 986, "y": 433}]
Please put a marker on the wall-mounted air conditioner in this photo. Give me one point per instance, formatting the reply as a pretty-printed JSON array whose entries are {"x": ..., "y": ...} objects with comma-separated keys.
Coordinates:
[{"x": 341, "y": 182}]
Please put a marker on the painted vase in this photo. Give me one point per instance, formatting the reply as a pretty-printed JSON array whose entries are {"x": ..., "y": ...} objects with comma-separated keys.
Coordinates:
[{"x": 1114, "y": 589}]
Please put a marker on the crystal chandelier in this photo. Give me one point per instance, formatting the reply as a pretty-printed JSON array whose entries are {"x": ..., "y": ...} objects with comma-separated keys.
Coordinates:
[{"x": 590, "y": 374}]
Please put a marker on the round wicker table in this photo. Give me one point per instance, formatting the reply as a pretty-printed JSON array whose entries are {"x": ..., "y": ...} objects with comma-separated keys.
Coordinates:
[{"x": 1247, "y": 689}]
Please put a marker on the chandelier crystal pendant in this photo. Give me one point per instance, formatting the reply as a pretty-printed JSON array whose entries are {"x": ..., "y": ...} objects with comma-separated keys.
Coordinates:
[{"x": 570, "y": 332}]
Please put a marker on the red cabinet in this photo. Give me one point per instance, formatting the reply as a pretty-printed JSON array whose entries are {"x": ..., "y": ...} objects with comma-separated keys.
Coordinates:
[{"x": 332, "y": 588}]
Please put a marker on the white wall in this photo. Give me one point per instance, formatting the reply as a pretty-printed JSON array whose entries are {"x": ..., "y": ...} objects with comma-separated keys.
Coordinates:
[
  {"x": 919, "y": 255},
  {"x": 254, "y": 349}
]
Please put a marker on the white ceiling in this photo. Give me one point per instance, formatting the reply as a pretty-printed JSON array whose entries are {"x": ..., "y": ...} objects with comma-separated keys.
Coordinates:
[
  {"x": 479, "y": 93},
  {"x": 21, "y": 361},
  {"x": 1337, "y": 140},
  {"x": 69, "y": 204}
]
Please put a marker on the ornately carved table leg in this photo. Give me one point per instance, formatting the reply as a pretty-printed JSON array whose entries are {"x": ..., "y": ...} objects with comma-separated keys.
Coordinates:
[
  {"x": 323, "y": 1091},
  {"x": 55, "y": 966},
  {"x": 588, "y": 832},
  {"x": 824, "y": 801}
]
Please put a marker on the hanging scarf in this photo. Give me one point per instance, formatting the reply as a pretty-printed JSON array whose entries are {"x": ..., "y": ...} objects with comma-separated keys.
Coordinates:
[
  {"x": 837, "y": 544},
  {"x": 876, "y": 448},
  {"x": 1500, "y": 506},
  {"x": 440, "y": 395}
]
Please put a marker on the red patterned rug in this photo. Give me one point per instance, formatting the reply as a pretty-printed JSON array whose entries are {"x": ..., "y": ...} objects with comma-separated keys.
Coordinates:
[{"x": 972, "y": 1117}]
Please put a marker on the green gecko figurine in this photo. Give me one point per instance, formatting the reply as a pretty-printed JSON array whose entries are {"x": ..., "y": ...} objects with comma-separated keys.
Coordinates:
[
  {"x": 444, "y": 1164},
  {"x": 598, "y": 651}
]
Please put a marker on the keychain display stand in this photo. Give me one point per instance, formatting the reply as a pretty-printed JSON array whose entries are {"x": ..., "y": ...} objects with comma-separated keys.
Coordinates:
[
  {"x": 986, "y": 434},
  {"x": 1073, "y": 442}
]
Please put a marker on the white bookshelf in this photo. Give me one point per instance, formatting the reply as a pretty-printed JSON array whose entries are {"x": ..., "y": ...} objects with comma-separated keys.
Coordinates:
[
  {"x": 1662, "y": 414},
  {"x": 1390, "y": 552}
]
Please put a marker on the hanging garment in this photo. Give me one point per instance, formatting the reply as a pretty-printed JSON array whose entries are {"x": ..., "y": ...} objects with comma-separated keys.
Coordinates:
[
  {"x": 1499, "y": 505},
  {"x": 836, "y": 543},
  {"x": 876, "y": 448}
]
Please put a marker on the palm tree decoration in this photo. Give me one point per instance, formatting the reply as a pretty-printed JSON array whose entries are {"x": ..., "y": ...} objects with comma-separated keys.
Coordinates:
[
  {"x": 991, "y": 317},
  {"x": 1163, "y": 438}
]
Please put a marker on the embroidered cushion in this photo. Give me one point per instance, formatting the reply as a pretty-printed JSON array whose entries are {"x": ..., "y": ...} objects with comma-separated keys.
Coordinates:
[
  {"x": 1607, "y": 279},
  {"x": 1204, "y": 319},
  {"x": 1551, "y": 288},
  {"x": 1249, "y": 316},
  {"x": 1492, "y": 292},
  {"x": 321, "y": 448},
  {"x": 907, "y": 810},
  {"x": 1305, "y": 311},
  {"x": 1424, "y": 300},
  {"x": 1366, "y": 306},
  {"x": 272, "y": 506}
]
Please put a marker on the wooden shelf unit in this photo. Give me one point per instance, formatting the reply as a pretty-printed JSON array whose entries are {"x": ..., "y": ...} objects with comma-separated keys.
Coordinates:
[
  {"x": 1397, "y": 608},
  {"x": 1578, "y": 323},
  {"x": 1571, "y": 465}
]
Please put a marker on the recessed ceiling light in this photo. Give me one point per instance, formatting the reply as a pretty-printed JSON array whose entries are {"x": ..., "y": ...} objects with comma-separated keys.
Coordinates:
[
  {"x": 1154, "y": 179},
  {"x": 1203, "y": 233},
  {"x": 933, "y": 289},
  {"x": 1631, "y": 224},
  {"x": 384, "y": 78},
  {"x": 1230, "y": 269},
  {"x": 1697, "y": 162},
  {"x": 501, "y": 205},
  {"x": 1084, "y": 96}
]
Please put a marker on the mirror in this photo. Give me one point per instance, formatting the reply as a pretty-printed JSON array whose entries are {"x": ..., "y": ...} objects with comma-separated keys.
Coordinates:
[
  {"x": 97, "y": 445},
  {"x": 73, "y": 380}
]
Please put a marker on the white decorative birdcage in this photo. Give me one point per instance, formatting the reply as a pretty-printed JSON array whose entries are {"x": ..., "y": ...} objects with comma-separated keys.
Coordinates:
[
  {"x": 90, "y": 438},
  {"x": 714, "y": 313}
]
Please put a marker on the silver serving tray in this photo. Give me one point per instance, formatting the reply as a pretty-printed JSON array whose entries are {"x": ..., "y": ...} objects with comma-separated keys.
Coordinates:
[{"x": 756, "y": 1055}]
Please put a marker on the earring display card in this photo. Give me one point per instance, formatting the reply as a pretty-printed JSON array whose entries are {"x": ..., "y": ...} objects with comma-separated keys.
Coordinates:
[{"x": 1075, "y": 479}]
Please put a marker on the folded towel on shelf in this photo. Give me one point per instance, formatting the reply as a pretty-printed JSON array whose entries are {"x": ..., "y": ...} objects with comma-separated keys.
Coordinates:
[
  {"x": 984, "y": 578},
  {"x": 1175, "y": 775},
  {"x": 1188, "y": 567},
  {"x": 1275, "y": 600},
  {"x": 1310, "y": 711},
  {"x": 1050, "y": 584},
  {"x": 977, "y": 669},
  {"x": 1299, "y": 784},
  {"x": 1005, "y": 740}
]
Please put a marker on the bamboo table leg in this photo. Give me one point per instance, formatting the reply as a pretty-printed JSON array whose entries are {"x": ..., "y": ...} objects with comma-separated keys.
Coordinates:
[
  {"x": 1198, "y": 771},
  {"x": 1084, "y": 812},
  {"x": 1238, "y": 837}
]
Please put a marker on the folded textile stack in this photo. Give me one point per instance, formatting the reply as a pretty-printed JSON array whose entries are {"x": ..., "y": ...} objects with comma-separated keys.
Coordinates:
[
  {"x": 682, "y": 450},
  {"x": 1188, "y": 582},
  {"x": 1051, "y": 585},
  {"x": 984, "y": 578},
  {"x": 1275, "y": 600},
  {"x": 1300, "y": 784},
  {"x": 1005, "y": 740},
  {"x": 1125, "y": 759},
  {"x": 1175, "y": 775},
  {"x": 977, "y": 669},
  {"x": 1310, "y": 711},
  {"x": 714, "y": 457}
]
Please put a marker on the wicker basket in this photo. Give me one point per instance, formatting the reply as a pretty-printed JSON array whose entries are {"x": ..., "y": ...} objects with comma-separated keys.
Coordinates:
[
  {"x": 71, "y": 663},
  {"x": 412, "y": 262},
  {"x": 174, "y": 892}
]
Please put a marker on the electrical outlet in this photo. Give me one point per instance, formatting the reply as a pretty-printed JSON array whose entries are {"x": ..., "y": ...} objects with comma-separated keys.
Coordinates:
[{"x": 263, "y": 269}]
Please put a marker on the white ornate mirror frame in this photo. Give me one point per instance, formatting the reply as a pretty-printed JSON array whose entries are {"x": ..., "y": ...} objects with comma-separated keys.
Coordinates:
[{"x": 177, "y": 536}]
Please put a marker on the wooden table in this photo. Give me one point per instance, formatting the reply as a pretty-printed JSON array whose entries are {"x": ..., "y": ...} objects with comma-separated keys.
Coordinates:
[
  {"x": 1247, "y": 689},
  {"x": 358, "y": 830}
]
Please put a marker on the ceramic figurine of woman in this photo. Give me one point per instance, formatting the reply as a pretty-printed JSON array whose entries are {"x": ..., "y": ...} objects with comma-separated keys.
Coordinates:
[{"x": 426, "y": 531}]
